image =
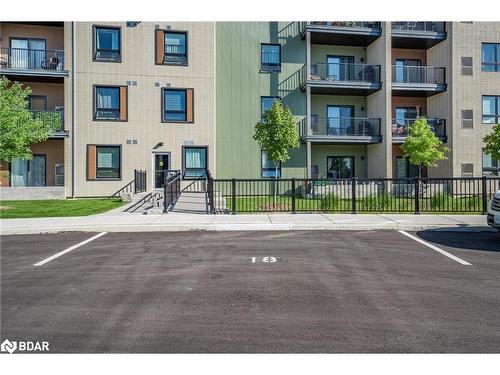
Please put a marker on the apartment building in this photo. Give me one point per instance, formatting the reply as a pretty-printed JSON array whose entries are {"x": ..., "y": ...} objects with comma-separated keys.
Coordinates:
[
  {"x": 354, "y": 88},
  {"x": 187, "y": 95}
]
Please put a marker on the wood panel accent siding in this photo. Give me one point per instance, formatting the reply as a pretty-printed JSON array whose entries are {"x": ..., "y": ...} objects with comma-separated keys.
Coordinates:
[
  {"x": 123, "y": 103},
  {"x": 160, "y": 46},
  {"x": 190, "y": 105},
  {"x": 91, "y": 162}
]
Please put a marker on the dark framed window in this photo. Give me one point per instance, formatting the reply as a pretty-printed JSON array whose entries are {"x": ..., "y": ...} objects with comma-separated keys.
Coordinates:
[
  {"x": 340, "y": 166},
  {"x": 28, "y": 53},
  {"x": 108, "y": 162},
  {"x": 107, "y": 102},
  {"x": 270, "y": 58},
  {"x": 491, "y": 167},
  {"x": 175, "y": 47},
  {"x": 175, "y": 105},
  {"x": 491, "y": 109},
  {"x": 491, "y": 57},
  {"x": 466, "y": 66},
  {"x": 268, "y": 167},
  {"x": 37, "y": 103},
  {"x": 266, "y": 102},
  {"x": 107, "y": 44},
  {"x": 195, "y": 162},
  {"x": 467, "y": 119},
  {"x": 404, "y": 169}
]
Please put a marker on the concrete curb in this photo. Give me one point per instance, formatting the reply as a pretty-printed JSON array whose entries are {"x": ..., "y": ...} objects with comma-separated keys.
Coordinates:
[{"x": 161, "y": 227}]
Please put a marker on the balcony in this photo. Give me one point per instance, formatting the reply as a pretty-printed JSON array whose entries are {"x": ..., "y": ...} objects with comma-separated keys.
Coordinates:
[
  {"x": 54, "y": 117},
  {"x": 21, "y": 63},
  {"x": 341, "y": 33},
  {"x": 341, "y": 78},
  {"x": 343, "y": 130},
  {"x": 401, "y": 128},
  {"x": 420, "y": 81},
  {"x": 417, "y": 34}
]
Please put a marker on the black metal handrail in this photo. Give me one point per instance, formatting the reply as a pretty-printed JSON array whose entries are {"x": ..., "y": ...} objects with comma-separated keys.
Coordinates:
[
  {"x": 31, "y": 59},
  {"x": 140, "y": 182},
  {"x": 437, "y": 27},
  {"x": 418, "y": 74},
  {"x": 350, "y": 72},
  {"x": 171, "y": 188},
  {"x": 401, "y": 127},
  {"x": 340, "y": 24},
  {"x": 341, "y": 126}
]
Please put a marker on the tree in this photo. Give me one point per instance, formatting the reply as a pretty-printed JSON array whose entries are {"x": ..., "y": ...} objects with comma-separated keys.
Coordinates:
[
  {"x": 422, "y": 146},
  {"x": 276, "y": 133},
  {"x": 492, "y": 143},
  {"x": 19, "y": 128}
]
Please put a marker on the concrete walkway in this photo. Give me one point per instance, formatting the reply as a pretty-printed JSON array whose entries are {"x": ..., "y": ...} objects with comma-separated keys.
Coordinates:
[
  {"x": 191, "y": 203},
  {"x": 118, "y": 221}
]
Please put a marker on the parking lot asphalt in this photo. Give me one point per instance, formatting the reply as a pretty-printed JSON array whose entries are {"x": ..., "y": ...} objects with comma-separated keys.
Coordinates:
[{"x": 253, "y": 292}]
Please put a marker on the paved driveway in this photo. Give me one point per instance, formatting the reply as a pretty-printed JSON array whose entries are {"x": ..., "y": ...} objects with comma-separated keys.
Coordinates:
[{"x": 293, "y": 291}]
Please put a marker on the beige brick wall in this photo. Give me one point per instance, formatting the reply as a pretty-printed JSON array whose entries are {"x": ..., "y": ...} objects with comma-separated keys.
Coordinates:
[{"x": 144, "y": 100}]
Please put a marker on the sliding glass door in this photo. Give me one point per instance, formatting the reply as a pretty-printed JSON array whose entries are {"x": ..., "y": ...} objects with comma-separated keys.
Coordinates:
[
  {"x": 27, "y": 53},
  {"x": 340, "y": 68},
  {"x": 339, "y": 119},
  {"x": 24, "y": 173}
]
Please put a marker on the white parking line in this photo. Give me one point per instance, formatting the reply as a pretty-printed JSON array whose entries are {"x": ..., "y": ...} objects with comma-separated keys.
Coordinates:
[
  {"x": 445, "y": 253},
  {"x": 42, "y": 262}
]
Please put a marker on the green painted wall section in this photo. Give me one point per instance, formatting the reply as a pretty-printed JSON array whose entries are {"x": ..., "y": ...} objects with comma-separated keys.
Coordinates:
[
  {"x": 239, "y": 88},
  {"x": 320, "y": 52},
  {"x": 320, "y": 102},
  {"x": 321, "y": 152}
]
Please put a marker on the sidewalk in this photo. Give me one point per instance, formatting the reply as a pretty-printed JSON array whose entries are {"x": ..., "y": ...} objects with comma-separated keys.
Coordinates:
[{"x": 117, "y": 221}]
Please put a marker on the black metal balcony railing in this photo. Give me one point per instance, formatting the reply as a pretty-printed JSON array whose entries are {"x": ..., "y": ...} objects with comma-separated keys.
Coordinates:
[
  {"x": 349, "y": 72},
  {"x": 401, "y": 127},
  {"x": 332, "y": 24},
  {"x": 56, "y": 118},
  {"x": 30, "y": 59},
  {"x": 418, "y": 74},
  {"x": 438, "y": 27},
  {"x": 341, "y": 127}
]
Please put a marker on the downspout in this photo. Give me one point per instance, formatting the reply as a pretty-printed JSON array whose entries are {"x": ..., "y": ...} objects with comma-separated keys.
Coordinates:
[{"x": 73, "y": 60}]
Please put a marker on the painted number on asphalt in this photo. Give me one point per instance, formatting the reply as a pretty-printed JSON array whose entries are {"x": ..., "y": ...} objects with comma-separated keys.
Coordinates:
[{"x": 267, "y": 259}]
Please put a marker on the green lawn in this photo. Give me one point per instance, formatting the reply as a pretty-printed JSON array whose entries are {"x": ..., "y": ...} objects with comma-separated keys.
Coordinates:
[
  {"x": 376, "y": 204},
  {"x": 56, "y": 207}
]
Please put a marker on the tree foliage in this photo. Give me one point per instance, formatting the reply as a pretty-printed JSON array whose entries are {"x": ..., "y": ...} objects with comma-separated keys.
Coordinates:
[
  {"x": 422, "y": 146},
  {"x": 492, "y": 143},
  {"x": 277, "y": 132},
  {"x": 19, "y": 128}
]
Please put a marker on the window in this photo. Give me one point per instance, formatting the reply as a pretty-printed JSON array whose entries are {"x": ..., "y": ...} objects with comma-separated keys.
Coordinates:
[
  {"x": 195, "y": 162},
  {"x": 175, "y": 48},
  {"x": 110, "y": 103},
  {"x": 24, "y": 173},
  {"x": 270, "y": 58},
  {"x": 27, "y": 53},
  {"x": 491, "y": 167},
  {"x": 108, "y": 162},
  {"x": 178, "y": 105},
  {"x": 37, "y": 103},
  {"x": 266, "y": 103},
  {"x": 404, "y": 169},
  {"x": 491, "y": 109},
  {"x": 107, "y": 44},
  {"x": 268, "y": 167},
  {"x": 466, "y": 66},
  {"x": 467, "y": 119},
  {"x": 340, "y": 166},
  {"x": 491, "y": 57}
]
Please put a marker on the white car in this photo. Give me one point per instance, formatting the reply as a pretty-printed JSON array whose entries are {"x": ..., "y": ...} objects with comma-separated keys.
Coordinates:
[{"x": 494, "y": 211}]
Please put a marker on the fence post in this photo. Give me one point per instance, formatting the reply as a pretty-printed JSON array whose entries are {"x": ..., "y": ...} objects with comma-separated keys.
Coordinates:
[
  {"x": 293, "y": 195},
  {"x": 484, "y": 194},
  {"x": 417, "y": 196},
  {"x": 353, "y": 195},
  {"x": 233, "y": 194},
  {"x": 164, "y": 191}
]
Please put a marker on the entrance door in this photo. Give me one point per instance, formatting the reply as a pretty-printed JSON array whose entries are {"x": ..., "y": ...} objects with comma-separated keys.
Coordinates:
[
  {"x": 160, "y": 162},
  {"x": 339, "y": 119}
]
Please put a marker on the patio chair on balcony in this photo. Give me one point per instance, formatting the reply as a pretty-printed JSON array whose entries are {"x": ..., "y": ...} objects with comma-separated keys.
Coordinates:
[{"x": 50, "y": 63}]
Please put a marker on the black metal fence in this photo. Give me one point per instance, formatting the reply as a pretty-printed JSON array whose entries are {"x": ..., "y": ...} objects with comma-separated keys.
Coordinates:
[
  {"x": 139, "y": 181},
  {"x": 171, "y": 188},
  {"x": 418, "y": 195},
  {"x": 33, "y": 59}
]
